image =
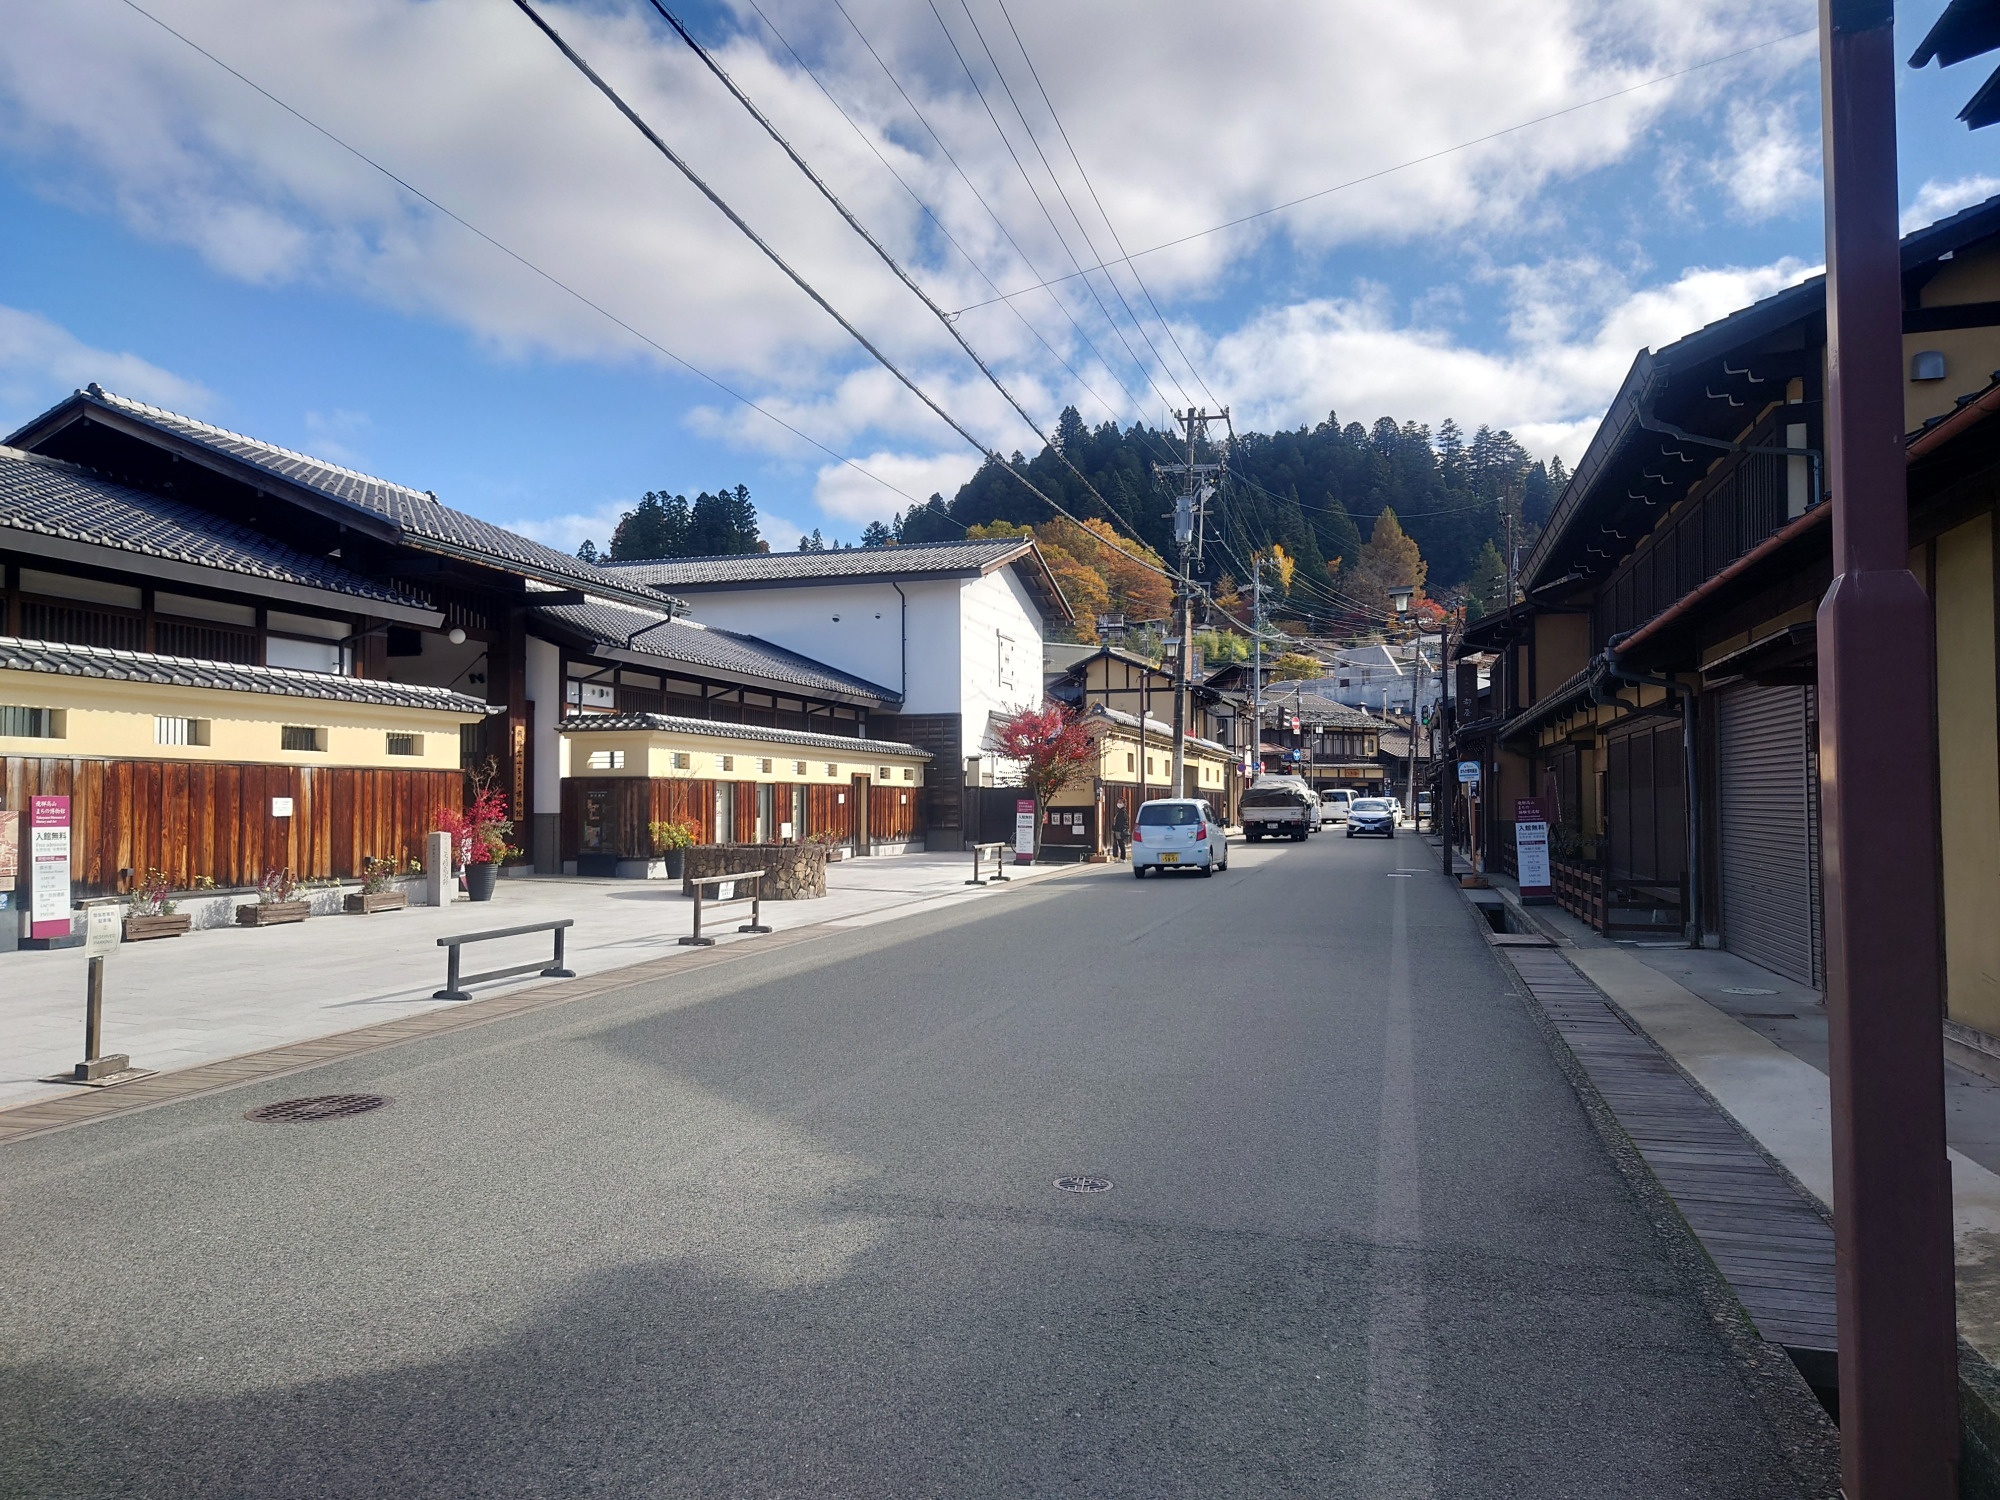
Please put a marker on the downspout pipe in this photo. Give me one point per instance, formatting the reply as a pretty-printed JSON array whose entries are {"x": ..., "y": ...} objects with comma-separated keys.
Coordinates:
[
  {"x": 903, "y": 671},
  {"x": 1691, "y": 800}
]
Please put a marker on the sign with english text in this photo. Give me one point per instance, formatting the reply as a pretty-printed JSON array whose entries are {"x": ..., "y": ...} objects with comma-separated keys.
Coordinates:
[{"x": 48, "y": 856}]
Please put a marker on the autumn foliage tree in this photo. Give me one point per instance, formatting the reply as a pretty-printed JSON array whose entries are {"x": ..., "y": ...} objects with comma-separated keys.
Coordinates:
[
  {"x": 1055, "y": 751},
  {"x": 1390, "y": 560}
]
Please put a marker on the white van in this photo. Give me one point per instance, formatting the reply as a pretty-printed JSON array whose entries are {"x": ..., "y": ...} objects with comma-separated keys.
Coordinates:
[{"x": 1334, "y": 805}]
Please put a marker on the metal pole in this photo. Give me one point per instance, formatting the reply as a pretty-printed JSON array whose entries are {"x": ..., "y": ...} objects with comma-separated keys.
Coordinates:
[
  {"x": 1444, "y": 791},
  {"x": 1257, "y": 665},
  {"x": 1891, "y": 1180},
  {"x": 93, "y": 1012}
]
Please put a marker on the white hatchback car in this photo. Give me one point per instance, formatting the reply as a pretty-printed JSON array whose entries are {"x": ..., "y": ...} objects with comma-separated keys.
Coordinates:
[{"x": 1178, "y": 833}]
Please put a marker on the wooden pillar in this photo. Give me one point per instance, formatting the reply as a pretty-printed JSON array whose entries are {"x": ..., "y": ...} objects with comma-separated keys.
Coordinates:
[{"x": 507, "y": 682}]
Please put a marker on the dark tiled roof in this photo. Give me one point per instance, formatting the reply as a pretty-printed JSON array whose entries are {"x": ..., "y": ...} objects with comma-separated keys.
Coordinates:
[
  {"x": 1313, "y": 709},
  {"x": 811, "y": 567},
  {"x": 179, "y": 671},
  {"x": 55, "y": 499},
  {"x": 719, "y": 650},
  {"x": 416, "y": 513},
  {"x": 1153, "y": 726},
  {"x": 847, "y": 745}
]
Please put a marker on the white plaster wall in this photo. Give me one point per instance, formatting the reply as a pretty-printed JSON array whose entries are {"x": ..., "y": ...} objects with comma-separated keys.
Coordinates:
[
  {"x": 990, "y": 607},
  {"x": 865, "y": 640},
  {"x": 545, "y": 692}
]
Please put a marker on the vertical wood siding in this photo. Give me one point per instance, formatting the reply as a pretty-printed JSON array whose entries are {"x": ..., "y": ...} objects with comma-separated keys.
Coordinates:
[{"x": 196, "y": 821}]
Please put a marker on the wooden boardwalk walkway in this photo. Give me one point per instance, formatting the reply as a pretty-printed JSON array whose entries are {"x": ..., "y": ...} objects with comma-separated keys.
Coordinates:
[{"x": 1769, "y": 1242}]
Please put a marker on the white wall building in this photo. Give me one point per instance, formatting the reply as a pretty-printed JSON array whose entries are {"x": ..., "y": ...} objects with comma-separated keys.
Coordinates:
[
  {"x": 1384, "y": 678},
  {"x": 955, "y": 627}
]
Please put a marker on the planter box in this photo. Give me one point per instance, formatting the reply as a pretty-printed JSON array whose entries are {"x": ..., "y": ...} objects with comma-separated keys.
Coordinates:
[
  {"x": 364, "y": 902},
  {"x": 271, "y": 914},
  {"x": 160, "y": 925}
]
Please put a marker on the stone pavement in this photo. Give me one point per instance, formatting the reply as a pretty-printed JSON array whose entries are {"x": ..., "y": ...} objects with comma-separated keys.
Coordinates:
[{"x": 179, "y": 1002}]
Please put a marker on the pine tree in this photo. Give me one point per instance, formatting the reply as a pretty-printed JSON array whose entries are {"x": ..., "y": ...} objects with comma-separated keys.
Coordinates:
[
  {"x": 1390, "y": 560},
  {"x": 656, "y": 527},
  {"x": 1341, "y": 543},
  {"x": 722, "y": 524},
  {"x": 876, "y": 534},
  {"x": 813, "y": 543},
  {"x": 1487, "y": 589},
  {"x": 588, "y": 551},
  {"x": 929, "y": 522}
]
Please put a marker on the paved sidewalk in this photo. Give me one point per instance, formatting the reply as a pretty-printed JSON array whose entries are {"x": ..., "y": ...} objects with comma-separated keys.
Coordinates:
[
  {"x": 176, "y": 1003},
  {"x": 1762, "y": 1057}
]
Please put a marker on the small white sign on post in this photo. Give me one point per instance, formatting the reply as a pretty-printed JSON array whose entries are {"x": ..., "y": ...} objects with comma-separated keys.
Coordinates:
[
  {"x": 281, "y": 807},
  {"x": 100, "y": 930},
  {"x": 725, "y": 891}
]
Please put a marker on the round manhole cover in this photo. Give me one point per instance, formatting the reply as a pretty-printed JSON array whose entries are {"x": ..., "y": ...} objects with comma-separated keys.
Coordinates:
[
  {"x": 1745, "y": 989},
  {"x": 1084, "y": 1184},
  {"x": 319, "y": 1107}
]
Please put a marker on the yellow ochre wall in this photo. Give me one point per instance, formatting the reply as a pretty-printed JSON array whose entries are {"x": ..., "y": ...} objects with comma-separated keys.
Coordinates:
[
  {"x": 1969, "y": 773},
  {"x": 650, "y": 753},
  {"x": 112, "y": 720}
]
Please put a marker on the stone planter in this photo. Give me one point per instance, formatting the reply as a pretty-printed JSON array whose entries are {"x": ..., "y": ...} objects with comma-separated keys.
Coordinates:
[
  {"x": 480, "y": 879},
  {"x": 365, "y": 902},
  {"x": 792, "y": 872},
  {"x": 159, "y": 925},
  {"x": 272, "y": 913}
]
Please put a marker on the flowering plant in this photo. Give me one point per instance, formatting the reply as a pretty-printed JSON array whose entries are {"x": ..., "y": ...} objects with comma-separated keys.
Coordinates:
[
  {"x": 479, "y": 834},
  {"x": 377, "y": 875},
  {"x": 668, "y": 836},
  {"x": 149, "y": 896},
  {"x": 277, "y": 886}
]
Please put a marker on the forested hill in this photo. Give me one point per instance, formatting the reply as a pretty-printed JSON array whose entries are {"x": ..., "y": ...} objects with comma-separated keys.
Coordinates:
[{"x": 1317, "y": 491}]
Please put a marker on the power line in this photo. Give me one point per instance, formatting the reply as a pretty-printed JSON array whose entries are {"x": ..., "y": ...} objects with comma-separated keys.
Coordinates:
[
  {"x": 577, "y": 61},
  {"x": 1417, "y": 161},
  {"x": 992, "y": 213},
  {"x": 514, "y": 255},
  {"x": 929, "y": 212},
  {"x": 1070, "y": 146},
  {"x": 1035, "y": 193},
  {"x": 881, "y": 251}
]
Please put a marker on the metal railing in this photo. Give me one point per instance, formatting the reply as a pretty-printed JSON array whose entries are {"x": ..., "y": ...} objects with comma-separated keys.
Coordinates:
[
  {"x": 999, "y": 862},
  {"x": 454, "y": 984},
  {"x": 755, "y": 898}
]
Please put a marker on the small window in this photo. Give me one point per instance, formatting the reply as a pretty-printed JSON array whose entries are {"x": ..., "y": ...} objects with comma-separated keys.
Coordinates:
[
  {"x": 832, "y": 769},
  {"x": 179, "y": 731},
  {"x": 683, "y": 761},
  {"x": 1129, "y": 761},
  {"x": 607, "y": 760},
  {"x": 406, "y": 744},
  {"x": 31, "y": 723},
  {"x": 302, "y": 737},
  {"x": 887, "y": 774},
  {"x": 764, "y": 767},
  {"x": 725, "y": 762},
  {"x": 798, "y": 768},
  {"x": 909, "y": 773}
]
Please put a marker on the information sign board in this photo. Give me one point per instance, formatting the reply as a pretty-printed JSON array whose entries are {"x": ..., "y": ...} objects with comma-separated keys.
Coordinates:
[
  {"x": 1531, "y": 849},
  {"x": 1468, "y": 771},
  {"x": 100, "y": 930},
  {"x": 10, "y": 849},
  {"x": 1024, "y": 830},
  {"x": 48, "y": 853}
]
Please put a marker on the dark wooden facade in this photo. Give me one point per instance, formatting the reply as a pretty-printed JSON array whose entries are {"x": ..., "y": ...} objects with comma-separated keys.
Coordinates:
[{"x": 197, "y": 821}]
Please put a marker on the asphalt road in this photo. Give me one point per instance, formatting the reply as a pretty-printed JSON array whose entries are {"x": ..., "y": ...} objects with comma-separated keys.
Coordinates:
[{"x": 788, "y": 1227}]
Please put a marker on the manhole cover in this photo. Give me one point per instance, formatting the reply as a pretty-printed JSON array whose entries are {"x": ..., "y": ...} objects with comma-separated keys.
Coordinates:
[
  {"x": 1745, "y": 989},
  {"x": 319, "y": 1107},
  {"x": 1084, "y": 1184}
]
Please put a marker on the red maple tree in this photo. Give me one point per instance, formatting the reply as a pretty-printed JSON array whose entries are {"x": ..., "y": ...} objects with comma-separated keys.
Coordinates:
[{"x": 1055, "y": 751}]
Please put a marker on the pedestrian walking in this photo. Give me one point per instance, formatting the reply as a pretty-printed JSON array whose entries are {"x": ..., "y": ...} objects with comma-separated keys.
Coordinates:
[{"x": 1121, "y": 833}]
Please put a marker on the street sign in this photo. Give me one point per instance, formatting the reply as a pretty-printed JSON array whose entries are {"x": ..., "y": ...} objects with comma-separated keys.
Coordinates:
[
  {"x": 1468, "y": 771},
  {"x": 100, "y": 930},
  {"x": 1024, "y": 830}
]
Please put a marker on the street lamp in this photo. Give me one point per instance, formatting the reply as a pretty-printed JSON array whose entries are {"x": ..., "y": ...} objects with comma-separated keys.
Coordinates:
[{"x": 1400, "y": 596}]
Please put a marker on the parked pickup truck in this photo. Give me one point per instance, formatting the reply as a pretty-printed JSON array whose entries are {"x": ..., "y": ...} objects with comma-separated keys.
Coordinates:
[{"x": 1277, "y": 809}]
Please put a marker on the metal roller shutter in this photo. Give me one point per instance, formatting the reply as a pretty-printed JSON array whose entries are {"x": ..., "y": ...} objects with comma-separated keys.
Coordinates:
[{"x": 1770, "y": 887}]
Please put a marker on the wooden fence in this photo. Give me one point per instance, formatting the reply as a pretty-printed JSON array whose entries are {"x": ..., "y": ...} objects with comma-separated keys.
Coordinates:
[{"x": 198, "y": 821}]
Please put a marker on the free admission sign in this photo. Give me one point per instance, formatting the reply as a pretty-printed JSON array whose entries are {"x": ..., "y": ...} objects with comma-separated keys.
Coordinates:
[
  {"x": 1531, "y": 848},
  {"x": 48, "y": 855}
]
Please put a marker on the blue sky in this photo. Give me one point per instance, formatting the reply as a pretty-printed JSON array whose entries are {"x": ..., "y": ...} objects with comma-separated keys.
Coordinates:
[{"x": 169, "y": 233}]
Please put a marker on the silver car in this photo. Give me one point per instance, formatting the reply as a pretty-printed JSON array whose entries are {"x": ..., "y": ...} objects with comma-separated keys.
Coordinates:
[
  {"x": 1178, "y": 833},
  {"x": 1372, "y": 815}
]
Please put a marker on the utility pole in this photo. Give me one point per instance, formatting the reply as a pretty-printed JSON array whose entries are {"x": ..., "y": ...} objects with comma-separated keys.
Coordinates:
[
  {"x": 1416, "y": 700},
  {"x": 1190, "y": 514},
  {"x": 1257, "y": 667},
  {"x": 1892, "y": 1204}
]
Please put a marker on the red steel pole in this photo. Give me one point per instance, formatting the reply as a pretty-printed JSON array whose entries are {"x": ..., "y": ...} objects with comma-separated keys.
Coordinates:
[{"x": 1891, "y": 1180}]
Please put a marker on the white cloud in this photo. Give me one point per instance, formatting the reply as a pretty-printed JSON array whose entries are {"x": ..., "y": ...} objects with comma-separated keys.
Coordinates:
[
  {"x": 1573, "y": 332},
  {"x": 465, "y": 99},
  {"x": 572, "y": 530},
  {"x": 1937, "y": 200},
  {"x": 41, "y": 362},
  {"x": 853, "y": 496},
  {"x": 336, "y": 434},
  {"x": 1771, "y": 166}
]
